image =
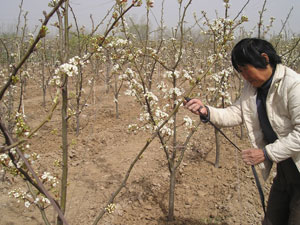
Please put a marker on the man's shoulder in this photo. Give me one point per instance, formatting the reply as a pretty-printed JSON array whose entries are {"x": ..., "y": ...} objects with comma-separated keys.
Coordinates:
[
  {"x": 291, "y": 78},
  {"x": 288, "y": 71},
  {"x": 284, "y": 72}
]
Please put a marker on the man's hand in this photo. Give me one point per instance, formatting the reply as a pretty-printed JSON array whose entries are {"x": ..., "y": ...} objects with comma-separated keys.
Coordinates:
[
  {"x": 196, "y": 105},
  {"x": 253, "y": 156}
]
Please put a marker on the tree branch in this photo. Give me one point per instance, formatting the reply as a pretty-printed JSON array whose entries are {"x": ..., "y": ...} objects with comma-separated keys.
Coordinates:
[{"x": 41, "y": 34}]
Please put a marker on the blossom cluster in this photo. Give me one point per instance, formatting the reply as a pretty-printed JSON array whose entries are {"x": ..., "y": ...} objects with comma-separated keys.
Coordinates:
[
  {"x": 221, "y": 34},
  {"x": 70, "y": 69},
  {"x": 156, "y": 103},
  {"x": 135, "y": 88},
  {"x": 110, "y": 208},
  {"x": 222, "y": 85},
  {"x": 8, "y": 165},
  {"x": 27, "y": 198},
  {"x": 21, "y": 129},
  {"x": 47, "y": 177}
]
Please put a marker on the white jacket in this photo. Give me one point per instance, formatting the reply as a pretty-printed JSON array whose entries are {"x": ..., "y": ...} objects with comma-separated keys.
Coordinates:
[{"x": 283, "y": 109}]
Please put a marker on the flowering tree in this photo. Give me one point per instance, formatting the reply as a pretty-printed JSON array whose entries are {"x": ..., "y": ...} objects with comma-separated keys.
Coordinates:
[
  {"x": 115, "y": 56},
  {"x": 221, "y": 35},
  {"x": 160, "y": 104},
  {"x": 14, "y": 158},
  {"x": 22, "y": 129}
]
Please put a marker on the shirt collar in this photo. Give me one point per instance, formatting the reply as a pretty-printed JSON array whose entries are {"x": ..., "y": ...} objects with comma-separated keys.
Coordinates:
[{"x": 268, "y": 83}]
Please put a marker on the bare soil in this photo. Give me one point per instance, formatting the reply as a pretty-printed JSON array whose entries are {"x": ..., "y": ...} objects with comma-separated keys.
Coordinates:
[{"x": 100, "y": 156}]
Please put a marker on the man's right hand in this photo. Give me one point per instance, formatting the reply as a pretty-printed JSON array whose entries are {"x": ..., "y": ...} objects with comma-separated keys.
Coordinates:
[{"x": 195, "y": 106}]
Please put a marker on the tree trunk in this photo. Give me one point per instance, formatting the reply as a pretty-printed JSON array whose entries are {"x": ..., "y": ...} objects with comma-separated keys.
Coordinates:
[
  {"x": 172, "y": 194},
  {"x": 64, "y": 179},
  {"x": 108, "y": 72},
  {"x": 217, "y": 136},
  {"x": 64, "y": 114}
]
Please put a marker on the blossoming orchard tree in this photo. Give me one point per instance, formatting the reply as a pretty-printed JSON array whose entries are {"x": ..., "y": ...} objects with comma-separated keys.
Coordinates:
[
  {"x": 160, "y": 104},
  {"x": 180, "y": 76},
  {"x": 14, "y": 159},
  {"x": 221, "y": 35}
]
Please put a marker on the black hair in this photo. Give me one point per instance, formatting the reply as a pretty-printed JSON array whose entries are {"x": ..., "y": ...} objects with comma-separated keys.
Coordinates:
[{"x": 249, "y": 50}]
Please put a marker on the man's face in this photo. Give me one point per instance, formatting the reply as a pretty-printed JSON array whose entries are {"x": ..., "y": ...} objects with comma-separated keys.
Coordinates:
[{"x": 255, "y": 76}]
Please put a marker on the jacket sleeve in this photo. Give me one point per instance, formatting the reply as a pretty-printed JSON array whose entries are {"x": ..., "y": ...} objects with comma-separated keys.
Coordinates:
[
  {"x": 288, "y": 145},
  {"x": 226, "y": 117}
]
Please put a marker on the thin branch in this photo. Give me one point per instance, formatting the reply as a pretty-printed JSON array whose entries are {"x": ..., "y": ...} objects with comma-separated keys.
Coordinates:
[
  {"x": 260, "y": 22},
  {"x": 283, "y": 26},
  {"x": 47, "y": 119},
  {"x": 182, "y": 34},
  {"x": 40, "y": 186},
  {"x": 292, "y": 48},
  {"x": 286, "y": 20},
  {"x": 77, "y": 28},
  {"x": 6, "y": 50},
  {"x": 242, "y": 9},
  {"x": 184, "y": 147},
  {"x": 41, "y": 209},
  {"x": 31, "y": 49},
  {"x": 101, "y": 22},
  {"x": 111, "y": 28},
  {"x": 19, "y": 17}
]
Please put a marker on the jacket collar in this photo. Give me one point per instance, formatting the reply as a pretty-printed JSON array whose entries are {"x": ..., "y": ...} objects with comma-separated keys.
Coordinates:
[{"x": 279, "y": 73}]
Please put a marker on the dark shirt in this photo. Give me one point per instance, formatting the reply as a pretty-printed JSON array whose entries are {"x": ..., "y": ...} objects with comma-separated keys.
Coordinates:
[{"x": 262, "y": 92}]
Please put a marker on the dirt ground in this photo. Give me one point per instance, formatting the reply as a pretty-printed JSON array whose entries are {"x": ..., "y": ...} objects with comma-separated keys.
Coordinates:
[{"x": 100, "y": 156}]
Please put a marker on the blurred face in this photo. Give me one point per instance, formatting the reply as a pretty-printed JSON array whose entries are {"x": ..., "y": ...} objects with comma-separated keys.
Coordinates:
[{"x": 255, "y": 76}]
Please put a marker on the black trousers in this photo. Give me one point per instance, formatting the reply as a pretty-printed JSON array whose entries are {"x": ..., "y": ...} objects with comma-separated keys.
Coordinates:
[{"x": 284, "y": 199}]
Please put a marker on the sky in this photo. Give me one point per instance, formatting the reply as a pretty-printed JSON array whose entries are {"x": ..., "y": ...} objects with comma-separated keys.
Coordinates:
[{"x": 98, "y": 8}]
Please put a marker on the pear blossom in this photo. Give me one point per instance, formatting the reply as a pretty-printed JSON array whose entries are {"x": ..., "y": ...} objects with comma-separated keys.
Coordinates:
[
  {"x": 188, "y": 122},
  {"x": 68, "y": 69},
  {"x": 27, "y": 204}
]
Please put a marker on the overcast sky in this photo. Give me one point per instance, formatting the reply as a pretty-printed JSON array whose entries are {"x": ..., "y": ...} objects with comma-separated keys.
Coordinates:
[{"x": 83, "y": 8}]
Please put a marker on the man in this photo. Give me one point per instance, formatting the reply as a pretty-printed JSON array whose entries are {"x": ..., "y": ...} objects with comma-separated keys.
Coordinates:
[{"x": 269, "y": 106}]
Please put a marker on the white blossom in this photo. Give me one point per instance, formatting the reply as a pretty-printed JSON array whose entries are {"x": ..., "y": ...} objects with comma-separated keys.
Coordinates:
[
  {"x": 130, "y": 92},
  {"x": 188, "y": 122},
  {"x": 27, "y": 204},
  {"x": 16, "y": 194},
  {"x": 161, "y": 114},
  {"x": 10, "y": 164},
  {"x": 162, "y": 86},
  {"x": 129, "y": 71},
  {"x": 68, "y": 69},
  {"x": 36, "y": 200},
  {"x": 187, "y": 75},
  {"x": 115, "y": 68},
  {"x": 45, "y": 200},
  {"x": 151, "y": 96},
  {"x": 175, "y": 91},
  {"x": 3, "y": 157},
  {"x": 121, "y": 41},
  {"x": 20, "y": 164}
]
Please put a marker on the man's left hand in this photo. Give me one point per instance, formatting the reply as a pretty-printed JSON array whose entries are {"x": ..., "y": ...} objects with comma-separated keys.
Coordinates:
[{"x": 253, "y": 156}]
